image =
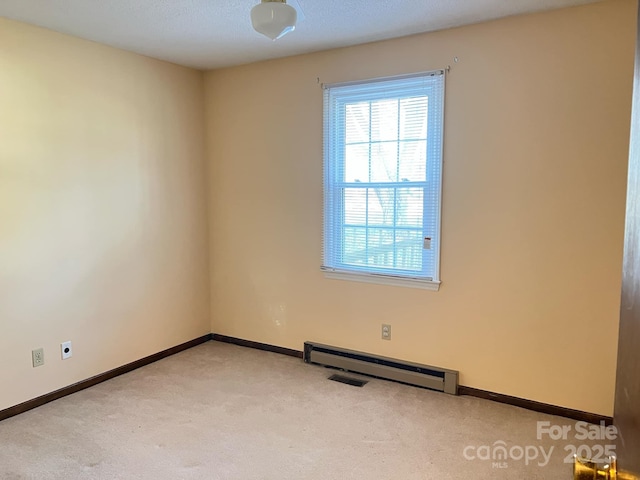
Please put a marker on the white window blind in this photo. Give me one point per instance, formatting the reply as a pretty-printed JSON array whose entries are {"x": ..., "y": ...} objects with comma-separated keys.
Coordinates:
[{"x": 383, "y": 177}]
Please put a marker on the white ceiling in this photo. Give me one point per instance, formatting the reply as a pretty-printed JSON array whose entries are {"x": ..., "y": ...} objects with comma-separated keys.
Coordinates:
[{"x": 209, "y": 34}]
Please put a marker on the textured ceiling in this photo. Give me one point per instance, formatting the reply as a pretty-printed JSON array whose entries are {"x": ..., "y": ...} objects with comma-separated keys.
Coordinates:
[{"x": 209, "y": 34}]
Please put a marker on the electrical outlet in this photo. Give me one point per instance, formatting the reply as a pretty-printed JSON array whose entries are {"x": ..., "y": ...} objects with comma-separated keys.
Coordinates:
[
  {"x": 65, "y": 350},
  {"x": 38, "y": 357},
  {"x": 386, "y": 332}
]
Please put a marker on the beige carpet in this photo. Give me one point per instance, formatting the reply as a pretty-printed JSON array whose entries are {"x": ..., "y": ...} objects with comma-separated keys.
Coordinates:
[{"x": 221, "y": 411}]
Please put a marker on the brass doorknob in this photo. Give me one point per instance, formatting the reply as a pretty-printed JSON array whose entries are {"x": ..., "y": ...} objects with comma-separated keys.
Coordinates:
[{"x": 588, "y": 470}]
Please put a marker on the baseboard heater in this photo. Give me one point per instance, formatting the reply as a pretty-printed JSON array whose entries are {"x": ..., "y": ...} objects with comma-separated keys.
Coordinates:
[{"x": 425, "y": 376}]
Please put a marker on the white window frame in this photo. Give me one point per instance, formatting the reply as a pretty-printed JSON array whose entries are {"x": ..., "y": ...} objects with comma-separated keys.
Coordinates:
[{"x": 337, "y": 96}]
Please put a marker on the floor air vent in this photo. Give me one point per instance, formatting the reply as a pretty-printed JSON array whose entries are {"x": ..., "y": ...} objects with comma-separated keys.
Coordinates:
[
  {"x": 425, "y": 376},
  {"x": 354, "y": 382}
]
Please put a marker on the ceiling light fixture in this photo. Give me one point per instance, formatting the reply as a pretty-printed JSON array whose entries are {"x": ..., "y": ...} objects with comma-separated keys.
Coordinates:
[{"x": 274, "y": 18}]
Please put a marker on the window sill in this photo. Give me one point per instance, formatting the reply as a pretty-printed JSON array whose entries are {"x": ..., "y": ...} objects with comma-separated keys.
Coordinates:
[{"x": 431, "y": 285}]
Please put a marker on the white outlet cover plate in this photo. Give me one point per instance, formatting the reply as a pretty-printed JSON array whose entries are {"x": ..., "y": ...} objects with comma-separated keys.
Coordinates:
[
  {"x": 65, "y": 349},
  {"x": 37, "y": 357}
]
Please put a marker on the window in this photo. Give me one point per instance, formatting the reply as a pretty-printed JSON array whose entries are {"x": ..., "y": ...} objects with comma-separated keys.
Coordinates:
[{"x": 383, "y": 179}]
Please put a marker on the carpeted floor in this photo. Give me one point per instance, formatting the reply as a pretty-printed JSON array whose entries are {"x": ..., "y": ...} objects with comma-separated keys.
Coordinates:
[{"x": 220, "y": 411}]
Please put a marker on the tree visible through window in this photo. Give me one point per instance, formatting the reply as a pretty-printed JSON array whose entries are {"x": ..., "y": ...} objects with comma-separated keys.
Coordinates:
[{"x": 383, "y": 163}]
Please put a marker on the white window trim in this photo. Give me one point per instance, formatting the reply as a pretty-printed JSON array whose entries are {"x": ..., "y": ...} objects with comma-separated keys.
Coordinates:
[
  {"x": 380, "y": 279},
  {"x": 431, "y": 284}
]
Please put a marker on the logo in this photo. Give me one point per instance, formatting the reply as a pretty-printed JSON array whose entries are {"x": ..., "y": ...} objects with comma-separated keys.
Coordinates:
[{"x": 599, "y": 446}]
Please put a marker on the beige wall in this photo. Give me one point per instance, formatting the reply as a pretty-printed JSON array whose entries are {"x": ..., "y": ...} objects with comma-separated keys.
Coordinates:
[
  {"x": 103, "y": 228},
  {"x": 537, "y": 127},
  {"x": 103, "y": 222}
]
